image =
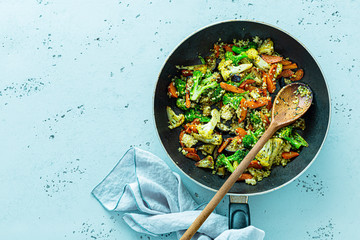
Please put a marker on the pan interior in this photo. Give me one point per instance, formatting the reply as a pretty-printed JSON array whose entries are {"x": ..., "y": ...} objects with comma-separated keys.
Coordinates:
[{"x": 200, "y": 43}]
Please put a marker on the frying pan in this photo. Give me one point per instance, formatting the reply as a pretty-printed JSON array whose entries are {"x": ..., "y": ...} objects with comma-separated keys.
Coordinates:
[{"x": 317, "y": 118}]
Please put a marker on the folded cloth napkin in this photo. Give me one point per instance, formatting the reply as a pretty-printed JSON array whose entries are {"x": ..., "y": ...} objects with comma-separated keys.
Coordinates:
[{"x": 142, "y": 182}]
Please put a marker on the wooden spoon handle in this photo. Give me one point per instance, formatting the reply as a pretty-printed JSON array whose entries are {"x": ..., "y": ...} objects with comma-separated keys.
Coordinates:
[{"x": 228, "y": 184}]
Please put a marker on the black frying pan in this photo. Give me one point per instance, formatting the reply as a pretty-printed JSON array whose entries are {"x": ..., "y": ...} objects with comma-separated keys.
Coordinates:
[{"x": 199, "y": 43}]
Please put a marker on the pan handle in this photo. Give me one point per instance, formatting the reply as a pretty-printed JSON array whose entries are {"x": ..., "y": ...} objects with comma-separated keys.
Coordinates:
[{"x": 239, "y": 212}]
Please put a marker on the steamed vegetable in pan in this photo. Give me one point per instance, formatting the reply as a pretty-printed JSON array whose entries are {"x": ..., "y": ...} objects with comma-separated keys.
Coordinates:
[{"x": 224, "y": 107}]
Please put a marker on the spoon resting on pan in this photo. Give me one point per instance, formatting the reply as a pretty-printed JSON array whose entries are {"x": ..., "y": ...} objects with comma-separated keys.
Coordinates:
[{"x": 291, "y": 102}]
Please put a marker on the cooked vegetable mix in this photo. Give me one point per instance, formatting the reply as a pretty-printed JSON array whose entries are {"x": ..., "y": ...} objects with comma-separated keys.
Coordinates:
[{"x": 224, "y": 107}]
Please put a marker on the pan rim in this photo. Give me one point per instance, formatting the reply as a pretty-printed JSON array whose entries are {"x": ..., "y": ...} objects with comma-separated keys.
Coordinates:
[{"x": 269, "y": 25}]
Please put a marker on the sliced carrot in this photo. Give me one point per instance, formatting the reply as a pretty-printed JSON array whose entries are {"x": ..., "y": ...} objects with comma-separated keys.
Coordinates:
[
  {"x": 224, "y": 144},
  {"x": 271, "y": 87},
  {"x": 181, "y": 137},
  {"x": 191, "y": 128},
  {"x": 272, "y": 71},
  {"x": 187, "y": 99},
  {"x": 246, "y": 82},
  {"x": 250, "y": 88},
  {"x": 231, "y": 88},
  {"x": 291, "y": 66},
  {"x": 245, "y": 176},
  {"x": 285, "y": 62},
  {"x": 190, "y": 150},
  {"x": 289, "y": 155},
  {"x": 243, "y": 107},
  {"x": 216, "y": 50},
  {"x": 186, "y": 73},
  {"x": 193, "y": 156},
  {"x": 285, "y": 73},
  {"x": 262, "y": 101},
  {"x": 271, "y": 59},
  {"x": 255, "y": 164},
  {"x": 172, "y": 90},
  {"x": 241, "y": 132},
  {"x": 251, "y": 127},
  {"x": 228, "y": 47},
  {"x": 298, "y": 75}
]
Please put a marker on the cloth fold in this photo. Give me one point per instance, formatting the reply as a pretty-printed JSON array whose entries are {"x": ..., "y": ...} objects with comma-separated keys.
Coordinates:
[{"x": 142, "y": 182}]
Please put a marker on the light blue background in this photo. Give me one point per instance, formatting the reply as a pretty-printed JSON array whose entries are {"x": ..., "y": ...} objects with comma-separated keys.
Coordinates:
[{"x": 77, "y": 80}]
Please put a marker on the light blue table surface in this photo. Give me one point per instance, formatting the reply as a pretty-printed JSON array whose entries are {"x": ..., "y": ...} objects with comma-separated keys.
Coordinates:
[{"x": 76, "y": 88}]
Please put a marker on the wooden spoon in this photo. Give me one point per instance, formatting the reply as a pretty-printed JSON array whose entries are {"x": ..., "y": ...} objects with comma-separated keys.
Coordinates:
[{"x": 289, "y": 105}]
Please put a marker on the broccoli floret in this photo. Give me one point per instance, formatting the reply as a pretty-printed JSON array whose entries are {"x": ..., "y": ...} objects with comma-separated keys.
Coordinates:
[
  {"x": 181, "y": 103},
  {"x": 238, "y": 156},
  {"x": 235, "y": 58},
  {"x": 217, "y": 94},
  {"x": 259, "y": 132},
  {"x": 239, "y": 50},
  {"x": 249, "y": 140},
  {"x": 227, "y": 69},
  {"x": 201, "y": 85},
  {"x": 191, "y": 114},
  {"x": 222, "y": 160},
  {"x": 180, "y": 86},
  {"x": 254, "y": 118},
  {"x": 292, "y": 137},
  {"x": 232, "y": 99}
]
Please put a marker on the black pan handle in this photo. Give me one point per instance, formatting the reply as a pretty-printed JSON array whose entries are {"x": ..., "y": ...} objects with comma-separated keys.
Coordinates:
[{"x": 239, "y": 212}]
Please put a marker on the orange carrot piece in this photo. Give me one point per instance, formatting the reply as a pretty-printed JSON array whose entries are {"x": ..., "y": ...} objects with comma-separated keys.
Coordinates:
[
  {"x": 231, "y": 88},
  {"x": 291, "y": 66},
  {"x": 250, "y": 88},
  {"x": 186, "y": 73},
  {"x": 224, "y": 144},
  {"x": 271, "y": 59},
  {"x": 172, "y": 90},
  {"x": 243, "y": 107},
  {"x": 298, "y": 75},
  {"x": 285, "y": 73},
  {"x": 271, "y": 87},
  {"x": 245, "y": 176},
  {"x": 187, "y": 99},
  {"x": 181, "y": 137},
  {"x": 255, "y": 164},
  {"x": 228, "y": 47},
  {"x": 193, "y": 156},
  {"x": 285, "y": 62},
  {"x": 241, "y": 132},
  {"x": 190, "y": 150},
  {"x": 251, "y": 127},
  {"x": 272, "y": 71},
  {"x": 289, "y": 155},
  {"x": 216, "y": 50},
  {"x": 246, "y": 82},
  {"x": 262, "y": 101},
  {"x": 191, "y": 128}
]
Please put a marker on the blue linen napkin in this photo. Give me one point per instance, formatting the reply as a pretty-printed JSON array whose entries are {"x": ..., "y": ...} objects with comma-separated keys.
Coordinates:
[{"x": 142, "y": 182}]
